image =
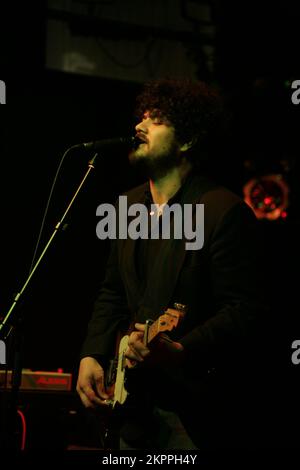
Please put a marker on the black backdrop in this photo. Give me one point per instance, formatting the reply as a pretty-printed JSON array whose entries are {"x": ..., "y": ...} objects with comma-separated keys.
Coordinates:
[
  {"x": 42, "y": 121},
  {"x": 49, "y": 111}
]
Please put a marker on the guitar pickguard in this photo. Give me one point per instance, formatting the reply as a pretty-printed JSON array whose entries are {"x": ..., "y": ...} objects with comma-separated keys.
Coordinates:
[
  {"x": 120, "y": 393},
  {"x": 165, "y": 323}
]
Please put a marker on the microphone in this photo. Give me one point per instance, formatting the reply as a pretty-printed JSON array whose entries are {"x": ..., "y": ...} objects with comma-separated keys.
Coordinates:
[{"x": 107, "y": 143}]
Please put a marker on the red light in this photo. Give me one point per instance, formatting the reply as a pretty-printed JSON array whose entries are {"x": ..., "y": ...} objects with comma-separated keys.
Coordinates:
[
  {"x": 284, "y": 214},
  {"x": 267, "y": 200},
  {"x": 268, "y": 196},
  {"x": 60, "y": 370}
]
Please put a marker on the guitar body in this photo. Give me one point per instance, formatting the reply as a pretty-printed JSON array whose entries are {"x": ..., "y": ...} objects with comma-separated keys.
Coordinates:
[
  {"x": 120, "y": 393},
  {"x": 166, "y": 322},
  {"x": 122, "y": 381}
]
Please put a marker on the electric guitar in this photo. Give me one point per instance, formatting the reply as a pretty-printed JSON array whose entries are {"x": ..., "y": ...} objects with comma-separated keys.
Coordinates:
[{"x": 116, "y": 376}]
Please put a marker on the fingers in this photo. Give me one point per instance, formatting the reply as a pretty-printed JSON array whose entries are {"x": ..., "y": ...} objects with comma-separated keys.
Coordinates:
[
  {"x": 136, "y": 350},
  {"x": 130, "y": 363},
  {"x": 89, "y": 398},
  {"x": 170, "y": 345},
  {"x": 140, "y": 326},
  {"x": 100, "y": 388},
  {"x": 90, "y": 384}
]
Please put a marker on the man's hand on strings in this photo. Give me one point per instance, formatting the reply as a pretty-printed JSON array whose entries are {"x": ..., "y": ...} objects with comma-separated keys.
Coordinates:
[
  {"x": 136, "y": 351},
  {"x": 162, "y": 351}
]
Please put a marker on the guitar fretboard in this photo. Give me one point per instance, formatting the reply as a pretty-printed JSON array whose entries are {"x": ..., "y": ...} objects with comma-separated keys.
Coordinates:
[{"x": 166, "y": 322}]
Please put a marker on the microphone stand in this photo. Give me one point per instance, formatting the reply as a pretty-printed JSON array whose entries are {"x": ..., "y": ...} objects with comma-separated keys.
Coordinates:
[{"x": 9, "y": 403}]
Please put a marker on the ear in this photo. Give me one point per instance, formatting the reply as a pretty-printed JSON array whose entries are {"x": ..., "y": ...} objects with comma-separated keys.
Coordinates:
[{"x": 185, "y": 147}]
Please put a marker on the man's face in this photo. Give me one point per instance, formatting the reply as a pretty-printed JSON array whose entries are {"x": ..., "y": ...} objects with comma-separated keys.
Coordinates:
[{"x": 159, "y": 149}]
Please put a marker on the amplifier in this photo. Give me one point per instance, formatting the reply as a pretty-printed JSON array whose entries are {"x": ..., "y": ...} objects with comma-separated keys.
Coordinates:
[{"x": 39, "y": 380}]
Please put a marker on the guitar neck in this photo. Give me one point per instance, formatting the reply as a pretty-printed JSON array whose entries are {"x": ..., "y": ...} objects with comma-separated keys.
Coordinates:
[
  {"x": 153, "y": 331},
  {"x": 166, "y": 322}
]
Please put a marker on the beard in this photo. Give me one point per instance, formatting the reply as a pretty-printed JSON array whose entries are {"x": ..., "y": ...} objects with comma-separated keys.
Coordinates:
[{"x": 155, "y": 165}]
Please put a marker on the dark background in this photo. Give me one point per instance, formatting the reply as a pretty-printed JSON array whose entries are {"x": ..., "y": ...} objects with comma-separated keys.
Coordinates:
[{"x": 47, "y": 111}]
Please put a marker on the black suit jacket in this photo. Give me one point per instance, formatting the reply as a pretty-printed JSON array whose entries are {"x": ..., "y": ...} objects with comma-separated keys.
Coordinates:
[{"x": 220, "y": 284}]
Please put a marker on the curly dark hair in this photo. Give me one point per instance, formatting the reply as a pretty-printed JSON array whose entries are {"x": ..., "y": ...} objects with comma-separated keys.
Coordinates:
[{"x": 192, "y": 107}]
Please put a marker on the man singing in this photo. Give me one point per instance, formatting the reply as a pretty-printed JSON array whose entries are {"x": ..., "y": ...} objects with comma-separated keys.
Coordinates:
[{"x": 192, "y": 387}]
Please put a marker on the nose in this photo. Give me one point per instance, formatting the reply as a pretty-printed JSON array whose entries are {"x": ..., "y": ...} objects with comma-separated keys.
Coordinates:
[{"x": 142, "y": 126}]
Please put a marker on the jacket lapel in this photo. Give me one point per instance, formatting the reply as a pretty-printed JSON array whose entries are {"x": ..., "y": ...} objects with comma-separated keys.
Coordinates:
[{"x": 127, "y": 256}]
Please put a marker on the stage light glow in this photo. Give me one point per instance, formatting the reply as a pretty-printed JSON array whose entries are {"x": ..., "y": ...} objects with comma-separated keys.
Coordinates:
[{"x": 268, "y": 196}]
